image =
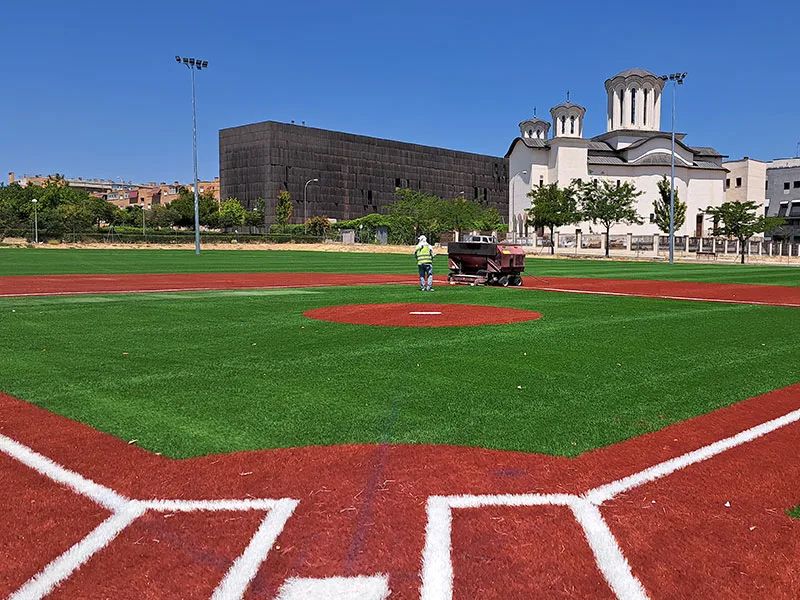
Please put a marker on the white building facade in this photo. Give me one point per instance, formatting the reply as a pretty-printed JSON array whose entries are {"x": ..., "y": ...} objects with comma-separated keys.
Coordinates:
[{"x": 633, "y": 150}]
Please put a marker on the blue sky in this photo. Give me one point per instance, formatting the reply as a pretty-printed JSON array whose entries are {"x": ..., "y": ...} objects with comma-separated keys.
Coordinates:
[{"x": 92, "y": 89}]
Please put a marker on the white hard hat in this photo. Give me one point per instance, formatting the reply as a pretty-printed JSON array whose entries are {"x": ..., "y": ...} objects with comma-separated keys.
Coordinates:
[{"x": 422, "y": 239}]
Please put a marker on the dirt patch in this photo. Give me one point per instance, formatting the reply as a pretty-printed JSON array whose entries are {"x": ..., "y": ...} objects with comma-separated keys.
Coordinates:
[{"x": 421, "y": 315}]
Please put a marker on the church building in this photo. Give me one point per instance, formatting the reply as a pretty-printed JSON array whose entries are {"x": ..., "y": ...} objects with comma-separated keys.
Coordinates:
[{"x": 633, "y": 149}]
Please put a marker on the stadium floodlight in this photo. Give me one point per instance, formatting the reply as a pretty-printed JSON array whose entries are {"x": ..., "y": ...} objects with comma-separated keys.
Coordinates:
[
  {"x": 305, "y": 198},
  {"x": 192, "y": 64},
  {"x": 675, "y": 78}
]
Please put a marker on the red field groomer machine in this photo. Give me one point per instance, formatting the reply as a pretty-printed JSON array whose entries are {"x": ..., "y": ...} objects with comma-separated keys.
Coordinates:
[{"x": 483, "y": 261}]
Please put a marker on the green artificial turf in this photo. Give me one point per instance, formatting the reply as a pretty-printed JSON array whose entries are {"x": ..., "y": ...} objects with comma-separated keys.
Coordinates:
[
  {"x": 26, "y": 261},
  {"x": 196, "y": 373}
]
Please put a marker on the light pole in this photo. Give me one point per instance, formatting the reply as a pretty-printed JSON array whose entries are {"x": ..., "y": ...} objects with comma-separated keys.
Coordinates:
[
  {"x": 512, "y": 204},
  {"x": 676, "y": 79},
  {"x": 144, "y": 234},
  {"x": 305, "y": 198},
  {"x": 35, "y": 203},
  {"x": 194, "y": 64}
]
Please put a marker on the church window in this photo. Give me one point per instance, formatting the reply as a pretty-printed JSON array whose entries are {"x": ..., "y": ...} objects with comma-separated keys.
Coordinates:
[
  {"x": 563, "y": 124},
  {"x": 530, "y": 133},
  {"x": 738, "y": 182},
  {"x": 621, "y": 104},
  {"x": 572, "y": 124},
  {"x": 644, "y": 107},
  {"x": 633, "y": 106}
]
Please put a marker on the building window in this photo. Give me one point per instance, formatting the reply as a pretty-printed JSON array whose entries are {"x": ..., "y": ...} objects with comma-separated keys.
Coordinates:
[
  {"x": 563, "y": 124},
  {"x": 796, "y": 184},
  {"x": 782, "y": 209},
  {"x": 541, "y": 181},
  {"x": 766, "y": 185},
  {"x": 572, "y": 124},
  {"x": 786, "y": 185},
  {"x": 727, "y": 184},
  {"x": 644, "y": 107},
  {"x": 621, "y": 107},
  {"x": 738, "y": 182},
  {"x": 633, "y": 106},
  {"x": 619, "y": 182},
  {"x": 397, "y": 183},
  {"x": 652, "y": 217},
  {"x": 530, "y": 133}
]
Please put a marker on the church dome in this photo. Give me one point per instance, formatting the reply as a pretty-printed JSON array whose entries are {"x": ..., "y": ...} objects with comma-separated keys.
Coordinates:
[
  {"x": 634, "y": 100},
  {"x": 568, "y": 119},
  {"x": 635, "y": 71},
  {"x": 534, "y": 128}
]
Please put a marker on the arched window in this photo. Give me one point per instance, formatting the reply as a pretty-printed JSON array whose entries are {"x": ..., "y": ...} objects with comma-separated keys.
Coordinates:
[
  {"x": 572, "y": 124},
  {"x": 563, "y": 124},
  {"x": 621, "y": 107},
  {"x": 633, "y": 106},
  {"x": 644, "y": 106},
  {"x": 530, "y": 133}
]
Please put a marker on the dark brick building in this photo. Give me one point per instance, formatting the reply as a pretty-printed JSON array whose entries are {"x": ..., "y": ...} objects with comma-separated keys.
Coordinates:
[{"x": 358, "y": 175}]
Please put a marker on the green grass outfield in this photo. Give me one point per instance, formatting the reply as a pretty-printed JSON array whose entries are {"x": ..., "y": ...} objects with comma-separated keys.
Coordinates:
[
  {"x": 195, "y": 373},
  {"x": 16, "y": 261},
  {"x": 795, "y": 512}
]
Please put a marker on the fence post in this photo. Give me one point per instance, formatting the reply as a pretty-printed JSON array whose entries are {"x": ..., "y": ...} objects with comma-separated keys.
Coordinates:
[
  {"x": 629, "y": 242},
  {"x": 656, "y": 243},
  {"x": 554, "y": 241}
]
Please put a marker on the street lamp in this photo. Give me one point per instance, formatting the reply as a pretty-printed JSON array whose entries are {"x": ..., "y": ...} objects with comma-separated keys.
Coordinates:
[
  {"x": 676, "y": 79},
  {"x": 194, "y": 64},
  {"x": 35, "y": 203},
  {"x": 305, "y": 198},
  {"x": 512, "y": 204}
]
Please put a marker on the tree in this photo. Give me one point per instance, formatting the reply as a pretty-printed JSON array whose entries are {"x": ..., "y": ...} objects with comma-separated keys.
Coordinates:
[
  {"x": 423, "y": 211},
  {"x": 608, "y": 204},
  {"x": 490, "y": 220},
  {"x": 551, "y": 207},
  {"x": 739, "y": 220},
  {"x": 231, "y": 214},
  {"x": 255, "y": 217},
  {"x": 164, "y": 216},
  {"x": 661, "y": 207},
  {"x": 459, "y": 214},
  {"x": 283, "y": 209},
  {"x": 318, "y": 226},
  {"x": 184, "y": 205}
]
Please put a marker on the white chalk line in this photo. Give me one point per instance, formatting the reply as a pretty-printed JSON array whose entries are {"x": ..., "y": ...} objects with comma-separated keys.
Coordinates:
[
  {"x": 125, "y": 511},
  {"x": 437, "y": 565},
  {"x": 660, "y": 297},
  {"x": 425, "y": 312}
]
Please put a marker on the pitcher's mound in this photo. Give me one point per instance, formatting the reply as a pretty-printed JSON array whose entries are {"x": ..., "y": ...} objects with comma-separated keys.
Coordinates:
[{"x": 421, "y": 315}]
